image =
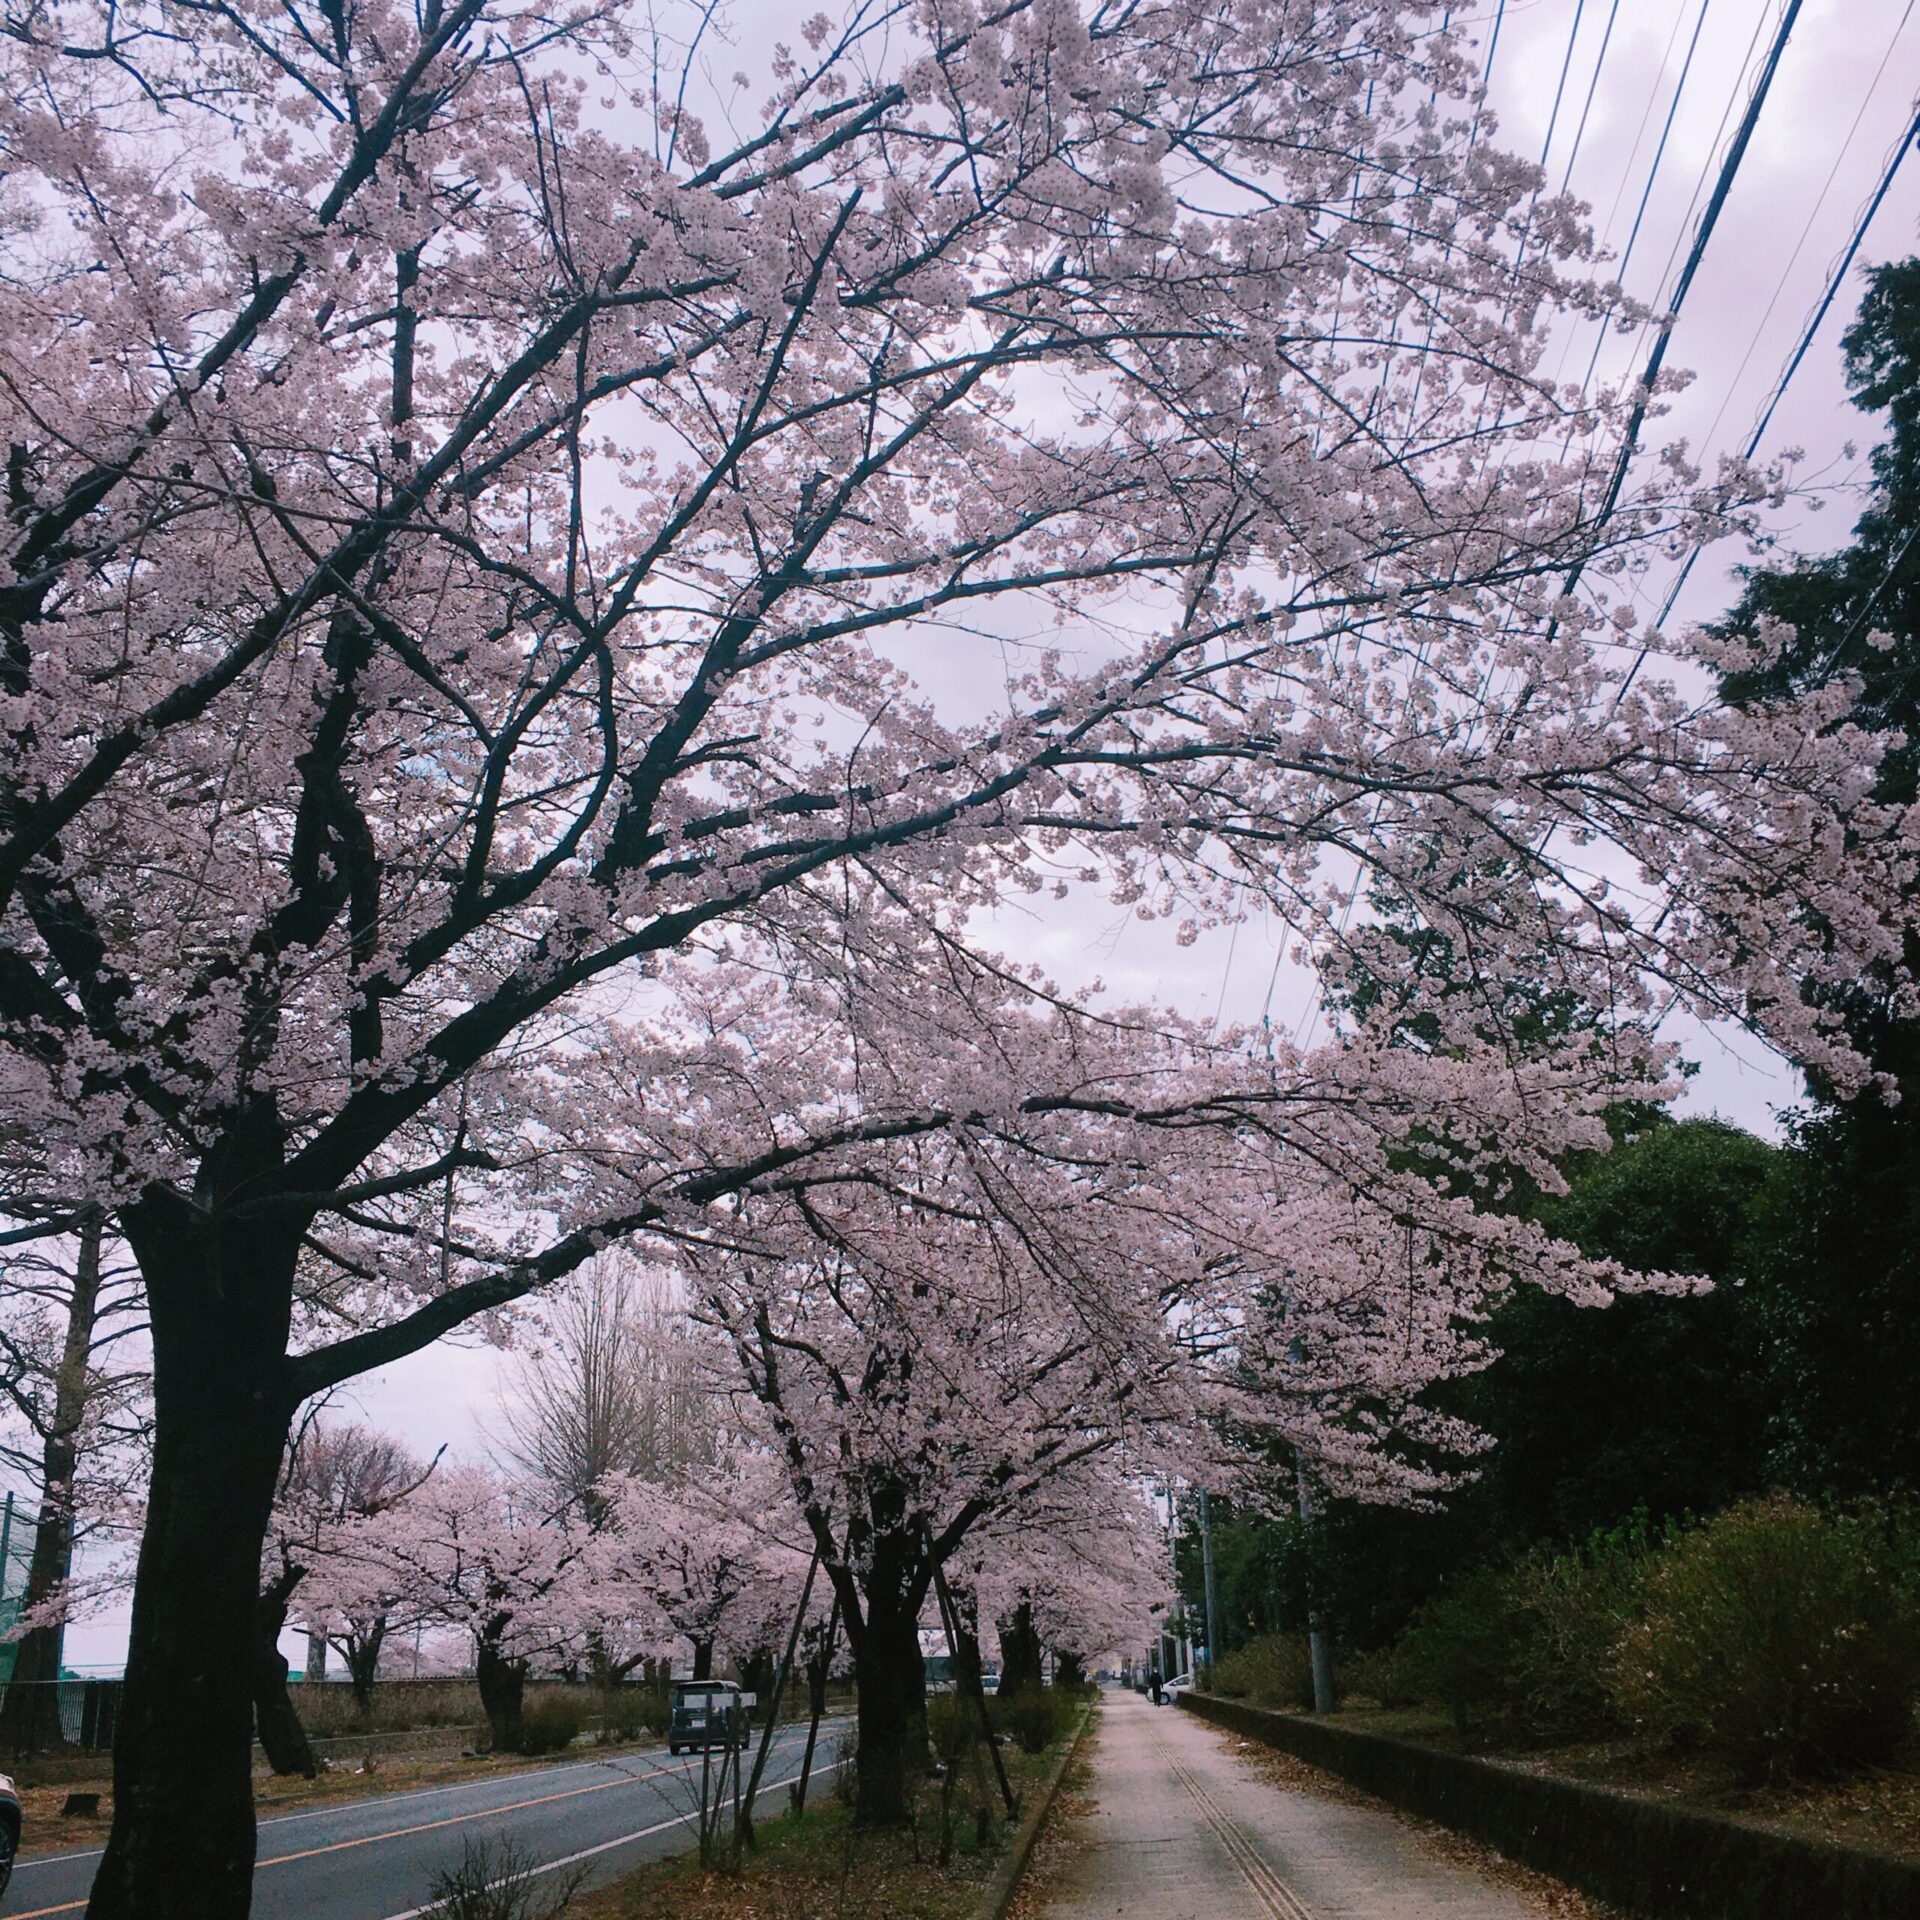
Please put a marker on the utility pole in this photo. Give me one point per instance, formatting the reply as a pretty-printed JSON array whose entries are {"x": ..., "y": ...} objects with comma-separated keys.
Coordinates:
[
  {"x": 1319, "y": 1645},
  {"x": 1214, "y": 1648}
]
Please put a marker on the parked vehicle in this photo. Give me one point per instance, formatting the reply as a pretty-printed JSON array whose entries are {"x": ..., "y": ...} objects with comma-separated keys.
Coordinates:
[
  {"x": 1179, "y": 1684},
  {"x": 9, "y": 1829},
  {"x": 707, "y": 1713}
]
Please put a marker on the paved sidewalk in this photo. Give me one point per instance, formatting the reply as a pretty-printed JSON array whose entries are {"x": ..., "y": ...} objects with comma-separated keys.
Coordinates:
[{"x": 1183, "y": 1829}]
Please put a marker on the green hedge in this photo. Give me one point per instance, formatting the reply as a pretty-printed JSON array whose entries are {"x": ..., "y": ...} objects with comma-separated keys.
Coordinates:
[{"x": 1650, "y": 1858}]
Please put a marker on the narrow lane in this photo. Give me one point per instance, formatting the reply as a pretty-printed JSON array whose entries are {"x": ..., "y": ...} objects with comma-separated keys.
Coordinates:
[
  {"x": 1184, "y": 1829},
  {"x": 374, "y": 1858}
]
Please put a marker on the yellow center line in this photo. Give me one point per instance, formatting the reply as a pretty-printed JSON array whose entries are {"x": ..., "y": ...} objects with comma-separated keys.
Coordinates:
[{"x": 400, "y": 1833}]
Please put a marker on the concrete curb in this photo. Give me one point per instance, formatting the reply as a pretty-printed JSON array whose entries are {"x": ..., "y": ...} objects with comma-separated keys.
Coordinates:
[{"x": 1006, "y": 1882}]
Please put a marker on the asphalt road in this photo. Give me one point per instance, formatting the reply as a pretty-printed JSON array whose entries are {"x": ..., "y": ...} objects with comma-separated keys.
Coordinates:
[{"x": 374, "y": 1859}]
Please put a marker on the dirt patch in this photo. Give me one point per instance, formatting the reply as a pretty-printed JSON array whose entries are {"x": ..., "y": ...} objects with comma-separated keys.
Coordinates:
[
  {"x": 821, "y": 1867},
  {"x": 1063, "y": 1839}
]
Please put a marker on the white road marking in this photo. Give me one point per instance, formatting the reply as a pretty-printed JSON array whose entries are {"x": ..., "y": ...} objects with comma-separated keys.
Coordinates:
[{"x": 605, "y": 1846}]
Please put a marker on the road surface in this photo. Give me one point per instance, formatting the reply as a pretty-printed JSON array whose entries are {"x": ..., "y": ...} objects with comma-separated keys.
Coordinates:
[
  {"x": 1182, "y": 1829},
  {"x": 374, "y": 1859}
]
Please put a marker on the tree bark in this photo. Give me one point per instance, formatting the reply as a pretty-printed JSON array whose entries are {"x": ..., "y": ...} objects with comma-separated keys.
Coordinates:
[
  {"x": 757, "y": 1672},
  {"x": 220, "y": 1297},
  {"x": 503, "y": 1688},
  {"x": 363, "y": 1663},
  {"x": 703, "y": 1659},
  {"x": 890, "y": 1677},
  {"x": 316, "y": 1656},
  {"x": 30, "y": 1718},
  {"x": 1020, "y": 1652},
  {"x": 282, "y": 1738}
]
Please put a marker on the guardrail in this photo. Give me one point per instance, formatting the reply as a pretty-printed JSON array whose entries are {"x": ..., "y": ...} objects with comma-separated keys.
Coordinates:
[{"x": 1653, "y": 1859}]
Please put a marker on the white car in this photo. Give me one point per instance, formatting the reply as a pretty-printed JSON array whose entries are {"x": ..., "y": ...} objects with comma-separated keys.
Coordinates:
[
  {"x": 1175, "y": 1687},
  {"x": 9, "y": 1829}
]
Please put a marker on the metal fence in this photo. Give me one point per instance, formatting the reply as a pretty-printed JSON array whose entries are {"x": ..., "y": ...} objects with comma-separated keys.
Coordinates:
[
  {"x": 17, "y": 1525},
  {"x": 74, "y": 1713}
]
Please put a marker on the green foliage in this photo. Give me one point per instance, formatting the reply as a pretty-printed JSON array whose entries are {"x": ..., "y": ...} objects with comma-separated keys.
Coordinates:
[
  {"x": 1382, "y": 1675},
  {"x": 550, "y": 1723},
  {"x": 1842, "y": 1340},
  {"x": 1459, "y": 1653},
  {"x": 1274, "y": 1671},
  {"x": 626, "y": 1713},
  {"x": 1780, "y": 1637},
  {"x": 953, "y": 1727},
  {"x": 1576, "y": 1610},
  {"x": 1532, "y": 1643},
  {"x": 1031, "y": 1717},
  {"x": 1654, "y": 1401}
]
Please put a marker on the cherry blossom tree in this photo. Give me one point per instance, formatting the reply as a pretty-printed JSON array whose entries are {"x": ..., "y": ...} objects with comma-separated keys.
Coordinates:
[
  {"x": 502, "y": 1565},
  {"x": 709, "y": 1563},
  {"x": 337, "y": 1475},
  {"x": 514, "y": 598}
]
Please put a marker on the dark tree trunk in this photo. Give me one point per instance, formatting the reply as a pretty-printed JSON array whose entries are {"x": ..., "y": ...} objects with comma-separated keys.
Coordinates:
[
  {"x": 757, "y": 1673},
  {"x": 1020, "y": 1652},
  {"x": 282, "y": 1738},
  {"x": 316, "y": 1656},
  {"x": 503, "y": 1689},
  {"x": 30, "y": 1718},
  {"x": 1069, "y": 1670},
  {"x": 363, "y": 1663},
  {"x": 220, "y": 1296},
  {"x": 703, "y": 1659},
  {"x": 964, "y": 1616},
  {"x": 890, "y": 1677}
]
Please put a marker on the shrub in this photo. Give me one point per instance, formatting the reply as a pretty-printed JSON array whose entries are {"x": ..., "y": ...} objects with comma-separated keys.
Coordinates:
[
  {"x": 1462, "y": 1650},
  {"x": 327, "y": 1708},
  {"x": 1573, "y": 1612},
  {"x": 846, "y": 1769},
  {"x": 499, "y": 1882},
  {"x": 628, "y": 1712},
  {"x": 550, "y": 1723},
  {"x": 1779, "y": 1637},
  {"x": 1031, "y": 1717},
  {"x": 1274, "y": 1671},
  {"x": 1383, "y": 1676},
  {"x": 953, "y": 1726}
]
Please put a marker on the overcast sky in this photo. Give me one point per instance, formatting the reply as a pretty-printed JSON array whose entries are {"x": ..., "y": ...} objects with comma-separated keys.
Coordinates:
[{"x": 1843, "y": 97}]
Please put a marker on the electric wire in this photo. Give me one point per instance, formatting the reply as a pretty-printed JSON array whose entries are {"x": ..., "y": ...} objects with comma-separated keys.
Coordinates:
[
  {"x": 1835, "y": 279},
  {"x": 1703, "y": 233},
  {"x": 1653, "y": 174},
  {"x": 1806, "y": 231}
]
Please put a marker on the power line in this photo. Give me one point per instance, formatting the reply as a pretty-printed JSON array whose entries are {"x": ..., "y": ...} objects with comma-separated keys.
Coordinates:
[
  {"x": 1709, "y": 218},
  {"x": 1824, "y": 306},
  {"x": 1593, "y": 87},
  {"x": 1713, "y": 147},
  {"x": 1840, "y": 272},
  {"x": 1653, "y": 173},
  {"x": 1813, "y": 214}
]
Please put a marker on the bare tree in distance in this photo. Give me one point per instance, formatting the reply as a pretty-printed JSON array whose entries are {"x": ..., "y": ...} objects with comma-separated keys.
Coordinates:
[
  {"x": 76, "y": 1384},
  {"x": 612, "y": 1385}
]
